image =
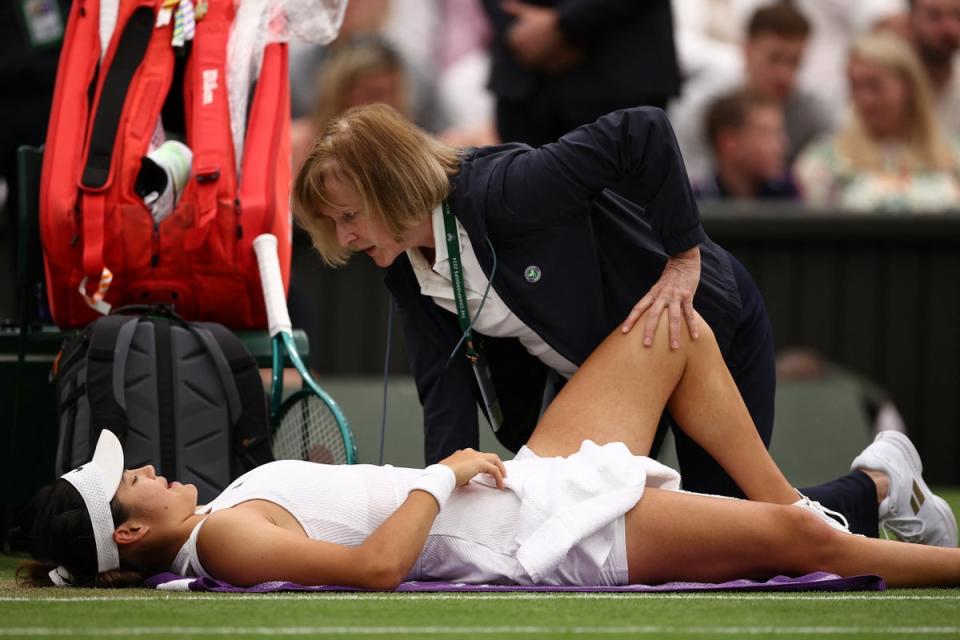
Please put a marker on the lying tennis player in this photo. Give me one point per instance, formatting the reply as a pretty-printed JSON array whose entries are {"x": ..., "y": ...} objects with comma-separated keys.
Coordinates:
[{"x": 566, "y": 511}]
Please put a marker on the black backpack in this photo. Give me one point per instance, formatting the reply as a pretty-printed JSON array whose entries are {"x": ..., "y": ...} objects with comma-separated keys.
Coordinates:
[{"x": 184, "y": 397}]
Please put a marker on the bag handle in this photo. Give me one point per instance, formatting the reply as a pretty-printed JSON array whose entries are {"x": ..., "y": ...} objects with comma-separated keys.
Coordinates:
[
  {"x": 234, "y": 406},
  {"x": 157, "y": 309},
  {"x": 124, "y": 340},
  {"x": 122, "y": 349}
]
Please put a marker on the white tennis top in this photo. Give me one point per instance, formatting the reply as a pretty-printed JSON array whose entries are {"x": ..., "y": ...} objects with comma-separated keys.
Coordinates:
[
  {"x": 557, "y": 522},
  {"x": 495, "y": 319}
]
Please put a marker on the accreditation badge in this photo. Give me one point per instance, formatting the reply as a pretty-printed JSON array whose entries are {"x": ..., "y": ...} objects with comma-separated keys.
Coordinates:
[
  {"x": 481, "y": 370},
  {"x": 43, "y": 22}
]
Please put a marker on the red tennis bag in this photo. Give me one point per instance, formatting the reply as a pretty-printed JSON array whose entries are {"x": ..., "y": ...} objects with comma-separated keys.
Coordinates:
[{"x": 102, "y": 246}]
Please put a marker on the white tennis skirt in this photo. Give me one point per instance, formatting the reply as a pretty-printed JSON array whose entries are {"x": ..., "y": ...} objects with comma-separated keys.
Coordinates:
[{"x": 559, "y": 521}]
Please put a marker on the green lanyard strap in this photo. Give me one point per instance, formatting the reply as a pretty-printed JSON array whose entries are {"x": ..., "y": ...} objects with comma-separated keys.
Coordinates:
[{"x": 456, "y": 274}]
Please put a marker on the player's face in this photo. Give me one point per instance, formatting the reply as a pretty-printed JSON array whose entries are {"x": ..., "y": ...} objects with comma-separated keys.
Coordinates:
[{"x": 144, "y": 493}]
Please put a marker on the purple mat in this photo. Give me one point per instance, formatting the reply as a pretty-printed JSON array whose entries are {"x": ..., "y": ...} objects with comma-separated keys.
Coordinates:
[{"x": 811, "y": 582}]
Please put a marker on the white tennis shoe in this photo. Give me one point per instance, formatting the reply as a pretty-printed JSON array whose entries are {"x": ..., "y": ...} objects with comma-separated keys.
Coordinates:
[{"x": 910, "y": 512}]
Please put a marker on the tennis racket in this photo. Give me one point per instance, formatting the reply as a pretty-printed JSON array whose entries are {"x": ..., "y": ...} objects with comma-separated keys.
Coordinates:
[{"x": 308, "y": 425}]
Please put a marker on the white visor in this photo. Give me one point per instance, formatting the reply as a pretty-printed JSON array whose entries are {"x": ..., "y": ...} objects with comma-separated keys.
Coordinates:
[{"x": 97, "y": 481}]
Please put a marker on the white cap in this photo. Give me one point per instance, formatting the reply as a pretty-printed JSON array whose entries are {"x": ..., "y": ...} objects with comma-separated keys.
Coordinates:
[{"x": 97, "y": 481}]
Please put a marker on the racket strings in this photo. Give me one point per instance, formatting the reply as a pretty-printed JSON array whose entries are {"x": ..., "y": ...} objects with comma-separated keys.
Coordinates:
[{"x": 309, "y": 430}]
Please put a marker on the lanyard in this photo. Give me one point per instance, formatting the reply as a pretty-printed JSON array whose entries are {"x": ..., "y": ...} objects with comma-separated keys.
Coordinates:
[{"x": 456, "y": 274}]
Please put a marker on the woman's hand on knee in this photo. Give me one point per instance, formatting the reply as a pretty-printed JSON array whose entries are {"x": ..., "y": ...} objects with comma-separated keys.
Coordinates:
[
  {"x": 467, "y": 463},
  {"x": 674, "y": 292}
]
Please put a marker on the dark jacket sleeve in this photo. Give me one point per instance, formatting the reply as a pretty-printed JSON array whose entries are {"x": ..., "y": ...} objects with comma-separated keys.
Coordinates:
[
  {"x": 585, "y": 22},
  {"x": 446, "y": 388},
  {"x": 633, "y": 152}
]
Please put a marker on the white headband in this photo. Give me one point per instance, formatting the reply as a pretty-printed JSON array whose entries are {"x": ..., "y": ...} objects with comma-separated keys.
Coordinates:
[{"x": 97, "y": 483}]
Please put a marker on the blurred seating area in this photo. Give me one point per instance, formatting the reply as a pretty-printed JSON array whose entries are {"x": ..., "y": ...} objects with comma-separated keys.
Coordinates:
[{"x": 837, "y": 104}]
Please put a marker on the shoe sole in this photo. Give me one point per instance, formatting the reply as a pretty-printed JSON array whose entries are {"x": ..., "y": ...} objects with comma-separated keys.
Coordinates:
[
  {"x": 905, "y": 445},
  {"x": 944, "y": 509}
]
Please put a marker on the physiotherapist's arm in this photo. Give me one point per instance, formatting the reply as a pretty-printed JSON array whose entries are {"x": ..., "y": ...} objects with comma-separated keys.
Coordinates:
[
  {"x": 244, "y": 548},
  {"x": 633, "y": 150}
]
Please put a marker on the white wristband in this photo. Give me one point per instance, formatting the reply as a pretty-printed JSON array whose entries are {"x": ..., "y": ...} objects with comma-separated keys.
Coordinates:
[{"x": 438, "y": 480}]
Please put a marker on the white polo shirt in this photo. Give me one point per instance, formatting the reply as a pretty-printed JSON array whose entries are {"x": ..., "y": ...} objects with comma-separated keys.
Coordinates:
[{"x": 495, "y": 319}]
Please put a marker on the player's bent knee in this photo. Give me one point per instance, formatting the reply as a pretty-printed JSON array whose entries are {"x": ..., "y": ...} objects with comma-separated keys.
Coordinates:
[{"x": 817, "y": 543}]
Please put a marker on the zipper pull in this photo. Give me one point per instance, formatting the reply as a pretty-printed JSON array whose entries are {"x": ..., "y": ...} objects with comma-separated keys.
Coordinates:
[
  {"x": 237, "y": 209},
  {"x": 155, "y": 258}
]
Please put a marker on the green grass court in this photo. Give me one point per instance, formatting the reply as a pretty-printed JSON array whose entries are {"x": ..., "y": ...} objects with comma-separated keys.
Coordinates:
[{"x": 87, "y": 613}]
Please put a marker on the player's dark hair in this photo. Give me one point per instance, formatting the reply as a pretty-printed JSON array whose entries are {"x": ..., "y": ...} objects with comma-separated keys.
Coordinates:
[{"x": 58, "y": 530}]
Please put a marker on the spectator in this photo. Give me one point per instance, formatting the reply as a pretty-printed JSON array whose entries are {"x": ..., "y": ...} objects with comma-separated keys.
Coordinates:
[
  {"x": 749, "y": 144},
  {"x": 359, "y": 17},
  {"x": 709, "y": 35},
  {"x": 835, "y": 24},
  {"x": 710, "y": 41},
  {"x": 557, "y": 65},
  {"x": 776, "y": 41},
  {"x": 934, "y": 30},
  {"x": 382, "y": 17},
  {"x": 891, "y": 155},
  {"x": 364, "y": 70},
  {"x": 463, "y": 61}
]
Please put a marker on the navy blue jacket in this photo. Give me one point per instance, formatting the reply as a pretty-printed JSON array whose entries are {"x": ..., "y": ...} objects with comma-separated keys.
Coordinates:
[{"x": 598, "y": 253}]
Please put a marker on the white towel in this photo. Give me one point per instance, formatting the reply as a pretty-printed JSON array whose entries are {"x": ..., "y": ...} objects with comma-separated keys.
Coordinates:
[{"x": 565, "y": 501}]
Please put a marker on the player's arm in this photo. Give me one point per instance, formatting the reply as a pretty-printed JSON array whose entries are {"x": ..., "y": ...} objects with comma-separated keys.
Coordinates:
[{"x": 242, "y": 548}]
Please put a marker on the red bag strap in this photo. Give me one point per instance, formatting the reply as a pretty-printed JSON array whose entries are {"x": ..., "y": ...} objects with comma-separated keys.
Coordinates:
[
  {"x": 94, "y": 205},
  {"x": 210, "y": 138},
  {"x": 258, "y": 189},
  {"x": 98, "y": 170}
]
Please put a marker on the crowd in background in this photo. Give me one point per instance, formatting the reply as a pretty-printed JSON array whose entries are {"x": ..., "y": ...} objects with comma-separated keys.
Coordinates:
[
  {"x": 838, "y": 104},
  {"x": 831, "y": 103}
]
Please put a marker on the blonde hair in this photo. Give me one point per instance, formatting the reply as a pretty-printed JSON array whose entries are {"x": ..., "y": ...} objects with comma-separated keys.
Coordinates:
[
  {"x": 926, "y": 149},
  {"x": 399, "y": 171},
  {"x": 360, "y": 56}
]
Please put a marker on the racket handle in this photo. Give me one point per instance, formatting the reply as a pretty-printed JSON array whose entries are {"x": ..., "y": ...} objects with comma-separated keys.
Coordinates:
[{"x": 278, "y": 318}]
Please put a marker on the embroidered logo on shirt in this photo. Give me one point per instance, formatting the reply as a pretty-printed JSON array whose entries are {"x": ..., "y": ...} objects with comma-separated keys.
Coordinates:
[{"x": 532, "y": 273}]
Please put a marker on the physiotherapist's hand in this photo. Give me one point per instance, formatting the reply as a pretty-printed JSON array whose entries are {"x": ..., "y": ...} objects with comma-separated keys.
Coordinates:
[
  {"x": 674, "y": 291},
  {"x": 466, "y": 463}
]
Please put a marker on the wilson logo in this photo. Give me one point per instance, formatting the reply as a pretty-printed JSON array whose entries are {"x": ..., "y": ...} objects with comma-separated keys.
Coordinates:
[{"x": 210, "y": 84}]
